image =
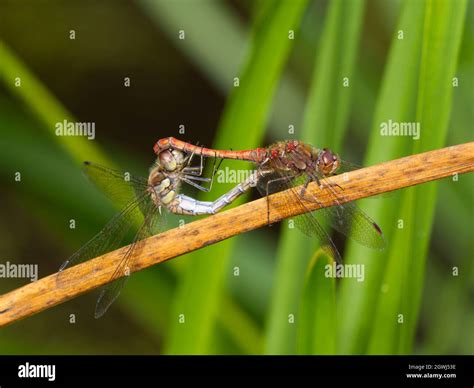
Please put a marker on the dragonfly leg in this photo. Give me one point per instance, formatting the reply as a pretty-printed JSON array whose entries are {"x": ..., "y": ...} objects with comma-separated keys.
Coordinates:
[
  {"x": 199, "y": 187},
  {"x": 267, "y": 192},
  {"x": 189, "y": 169},
  {"x": 305, "y": 186},
  {"x": 194, "y": 173},
  {"x": 321, "y": 184},
  {"x": 197, "y": 178},
  {"x": 200, "y": 168},
  {"x": 333, "y": 185},
  {"x": 214, "y": 171},
  {"x": 192, "y": 170},
  {"x": 197, "y": 169}
]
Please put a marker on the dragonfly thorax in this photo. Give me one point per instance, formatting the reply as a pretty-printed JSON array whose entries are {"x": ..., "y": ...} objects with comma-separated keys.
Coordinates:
[
  {"x": 164, "y": 183},
  {"x": 291, "y": 155}
]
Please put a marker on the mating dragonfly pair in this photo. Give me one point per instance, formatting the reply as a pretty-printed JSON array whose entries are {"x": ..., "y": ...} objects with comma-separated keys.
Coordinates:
[{"x": 287, "y": 165}]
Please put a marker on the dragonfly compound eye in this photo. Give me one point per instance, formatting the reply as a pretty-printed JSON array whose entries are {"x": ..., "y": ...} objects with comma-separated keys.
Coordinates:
[
  {"x": 167, "y": 160},
  {"x": 328, "y": 161},
  {"x": 327, "y": 157}
]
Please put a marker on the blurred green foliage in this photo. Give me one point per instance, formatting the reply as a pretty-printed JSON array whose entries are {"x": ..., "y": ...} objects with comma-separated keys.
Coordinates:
[
  {"x": 397, "y": 101},
  {"x": 324, "y": 122},
  {"x": 247, "y": 107},
  {"x": 283, "y": 83},
  {"x": 317, "y": 313}
]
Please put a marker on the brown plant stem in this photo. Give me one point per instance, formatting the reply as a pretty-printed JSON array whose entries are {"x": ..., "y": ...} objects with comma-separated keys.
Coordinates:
[{"x": 396, "y": 174}]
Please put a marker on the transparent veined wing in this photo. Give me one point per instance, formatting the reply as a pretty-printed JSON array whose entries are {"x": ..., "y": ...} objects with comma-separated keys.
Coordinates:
[
  {"x": 118, "y": 279},
  {"x": 109, "y": 238},
  {"x": 347, "y": 218},
  {"x": 306, "y": 222},
  {"x": 120, "y": 186},
  {"x": 346, "y": 167}
]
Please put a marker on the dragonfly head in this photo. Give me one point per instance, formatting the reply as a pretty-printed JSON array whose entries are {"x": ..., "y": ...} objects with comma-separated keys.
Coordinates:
[
  {"x": 328, "y": 162},
  {"x": 171, "y": 160}
]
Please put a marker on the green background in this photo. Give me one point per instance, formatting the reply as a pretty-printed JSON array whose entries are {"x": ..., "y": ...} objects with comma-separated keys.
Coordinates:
[{"x": 351, "y": 66}]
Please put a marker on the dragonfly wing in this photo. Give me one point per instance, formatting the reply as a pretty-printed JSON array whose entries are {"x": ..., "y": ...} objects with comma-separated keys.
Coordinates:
[
  {"x": 346, "y": 167},
  {"x": 272, "y": 180},
  {"x": 351, "y": 221},
  {"x": 310, "y": 226},
  {"x": 109, "y": 238},
  {"x": 108, "y": 295},
  {"x": 306, "y": 222},
  {"x": 157, "y": 225},
  {"x": 348, "y": 219},
  {"x": 119, "y": 186},
  {"x": 118, "y": 279}
]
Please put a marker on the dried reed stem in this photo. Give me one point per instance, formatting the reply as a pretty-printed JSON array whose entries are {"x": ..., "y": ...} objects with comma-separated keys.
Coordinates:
[{"x": 384, "y": 177}]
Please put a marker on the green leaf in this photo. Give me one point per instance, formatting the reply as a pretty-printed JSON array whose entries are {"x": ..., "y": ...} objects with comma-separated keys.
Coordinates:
[
  {"x": 21, "y": 82},
  {"x": 442, "y": 33},
  {"x": 226, "y": 42},
  {"x": 316, "y": 322},
  {"x": 325, "y": 121},
  {"x": 240, "y": 326},
  {"x": 396, "y": 101},
  {"x": 242, "y": 126}
]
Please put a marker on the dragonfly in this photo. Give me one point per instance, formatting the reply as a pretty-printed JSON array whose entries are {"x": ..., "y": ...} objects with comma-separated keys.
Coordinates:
[
  {"x": 286, "y": 165},
  {"x": 148, "y": 198}
]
